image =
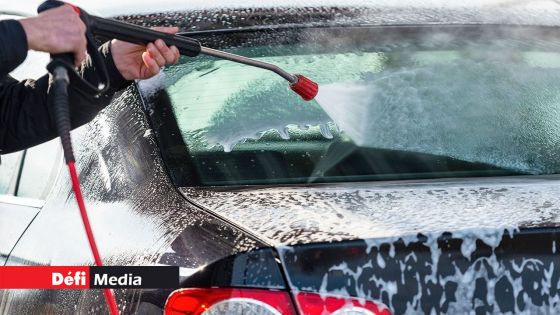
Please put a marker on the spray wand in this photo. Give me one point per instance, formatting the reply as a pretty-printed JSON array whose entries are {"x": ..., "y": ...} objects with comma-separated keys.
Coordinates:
[
  {"x": 306, "y": 88},
  {"x": 63, "y": 73}
]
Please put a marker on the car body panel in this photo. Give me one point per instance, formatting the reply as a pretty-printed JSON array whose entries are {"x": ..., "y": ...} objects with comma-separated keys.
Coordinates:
[
  {"x": 394, "y": 12},
  {"x": 488, "y": 271},
  {"x": 494, "y": 272},
  {"x": 333, "y": 212},
  {"x": 239, "y": 15},
  {"x": 138, "y": 216},
  {"x": 252, "y": 269},
  {"x": 15, "y": 219}
]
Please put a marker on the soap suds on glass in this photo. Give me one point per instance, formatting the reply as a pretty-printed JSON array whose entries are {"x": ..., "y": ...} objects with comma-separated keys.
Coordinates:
[
  {"x": 479, "y": 111},
  {"x": 467, "y": 103},
  {"x": 228, "y": 104},
  {"x": 252, "y": 112}
]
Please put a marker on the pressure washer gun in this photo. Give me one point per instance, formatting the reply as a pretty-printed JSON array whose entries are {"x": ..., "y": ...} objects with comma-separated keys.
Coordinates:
[
  {"x": 131, "y": 33},
  {"x": 64, "y": 73}
]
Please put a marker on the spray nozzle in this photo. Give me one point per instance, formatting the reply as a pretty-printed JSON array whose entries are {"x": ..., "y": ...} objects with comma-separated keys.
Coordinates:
[{"x": 306, "y": 88}]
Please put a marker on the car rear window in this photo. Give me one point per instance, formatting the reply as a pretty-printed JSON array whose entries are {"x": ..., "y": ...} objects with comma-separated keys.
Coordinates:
[{"x": 421, "y": 102}]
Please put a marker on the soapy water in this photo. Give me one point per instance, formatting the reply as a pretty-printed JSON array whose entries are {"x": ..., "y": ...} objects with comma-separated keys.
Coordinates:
[
  {"x": 481, "y": 213},
  {"x": 535, "y": 296},
  {"x": 249, "y": 114},
  {"x": 230, "y": 103},
  {"x": 506, "y": 115},
  {"x": 492, "y": 104}
]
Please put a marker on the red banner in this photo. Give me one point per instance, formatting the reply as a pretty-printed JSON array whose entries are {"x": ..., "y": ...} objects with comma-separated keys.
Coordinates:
[
  {"x": 44, "y": 277},
  {"x": 86, "y": 277}
]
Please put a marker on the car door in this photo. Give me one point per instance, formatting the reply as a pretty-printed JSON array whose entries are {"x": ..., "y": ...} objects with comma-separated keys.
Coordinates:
[
  {"x": 25, "y": 181},
  {"x": 15, "y": 213}
]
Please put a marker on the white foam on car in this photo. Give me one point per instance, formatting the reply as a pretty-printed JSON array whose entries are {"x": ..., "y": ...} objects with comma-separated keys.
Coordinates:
[
  {"x": 500, "y": 113},
  {"x": 151, "y": 86},
  {"x": 234, "y": 103},
  {"x": 498, "y": 10},
  {"x": 488, "y": 210},
  {"x": 489, "y": 268}
]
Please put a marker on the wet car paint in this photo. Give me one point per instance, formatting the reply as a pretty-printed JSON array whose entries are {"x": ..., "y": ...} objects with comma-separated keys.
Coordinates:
[
  {"x": 483, "y": 245},
  {"x": 334, "y": 212},
  {"x": 15, "y": 219},
  {"x": 141, "y": 219},
  {"x": 488, "y": 271},
  {"x": 392, "y": 12},
  {"x": 138, "y": 217},
  {"x": 253, "y": 269},
  {"x": 240, "y": 14},
  {"x": 515, "y": 273}
]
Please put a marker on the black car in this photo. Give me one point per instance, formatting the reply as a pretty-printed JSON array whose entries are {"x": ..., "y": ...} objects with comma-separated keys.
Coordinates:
[{"x": 444, "y": 199}]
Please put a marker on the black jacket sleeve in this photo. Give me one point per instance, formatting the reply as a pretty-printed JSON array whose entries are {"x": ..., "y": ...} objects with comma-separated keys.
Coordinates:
[
  {"x": 13, "y": 46},
  {"x": 25, "y": 115}
]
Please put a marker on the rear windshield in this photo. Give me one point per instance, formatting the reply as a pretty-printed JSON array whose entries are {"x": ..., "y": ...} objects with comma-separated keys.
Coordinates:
[{"x": 394, "y": 103}]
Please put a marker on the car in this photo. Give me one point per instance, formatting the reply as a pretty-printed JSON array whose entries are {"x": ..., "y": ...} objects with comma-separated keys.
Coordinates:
[{"x": 443, "y": 199}]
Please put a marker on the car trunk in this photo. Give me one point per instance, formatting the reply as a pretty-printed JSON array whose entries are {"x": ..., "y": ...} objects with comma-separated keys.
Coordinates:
[
  {"x": 449, "y": 246},
  {"x": 332, "y": 212},
  {"x": 433, "y": 274}
]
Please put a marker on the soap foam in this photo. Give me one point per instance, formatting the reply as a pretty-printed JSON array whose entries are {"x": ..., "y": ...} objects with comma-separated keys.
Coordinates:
[{"x": 497, "y": 113}]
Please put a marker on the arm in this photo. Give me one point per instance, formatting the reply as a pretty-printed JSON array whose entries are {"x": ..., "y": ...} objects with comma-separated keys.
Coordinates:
[
  {"x": 13, "y": 46},
  {"x": 25, "y": 118}
]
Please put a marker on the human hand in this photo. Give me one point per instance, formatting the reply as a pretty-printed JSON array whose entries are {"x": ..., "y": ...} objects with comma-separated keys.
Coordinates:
[
  {"x": 56, "y": 31},
  {"x": 143, "y": 62}
]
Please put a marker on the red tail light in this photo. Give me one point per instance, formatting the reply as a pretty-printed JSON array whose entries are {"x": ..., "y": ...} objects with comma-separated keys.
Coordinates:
[
  {"x": 318, "y": 304},
  {"x": 218, "y": 301},
  {"x": 223, "y": 301}
]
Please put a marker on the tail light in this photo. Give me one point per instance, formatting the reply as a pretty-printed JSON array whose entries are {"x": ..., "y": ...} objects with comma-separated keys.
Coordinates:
[
  {"x": 227, "y": 301},
  {"x": 320, "y": 304},
  {"x": 222, "y": 301}
]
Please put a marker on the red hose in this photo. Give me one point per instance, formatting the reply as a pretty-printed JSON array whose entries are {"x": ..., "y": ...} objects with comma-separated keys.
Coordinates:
[{"x": 109, "y": 295}]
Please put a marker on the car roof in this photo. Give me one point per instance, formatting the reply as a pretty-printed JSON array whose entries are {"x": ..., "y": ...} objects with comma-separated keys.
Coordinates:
[{"x": 526, "y": 12}]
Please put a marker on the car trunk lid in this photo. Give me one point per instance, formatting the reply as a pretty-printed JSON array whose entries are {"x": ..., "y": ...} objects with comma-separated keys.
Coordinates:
[
  {"x": 334, "y": 212},
  {"x": 434, "y": 273}
]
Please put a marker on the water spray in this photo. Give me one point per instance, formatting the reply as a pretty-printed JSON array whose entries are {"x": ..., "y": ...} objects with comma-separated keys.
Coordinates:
[{"x": 64, "y": 73}]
